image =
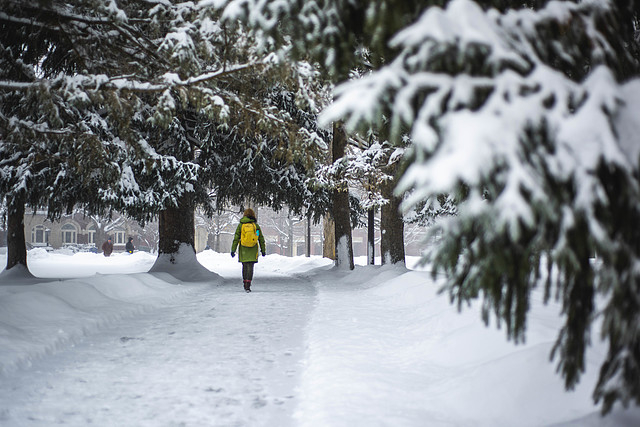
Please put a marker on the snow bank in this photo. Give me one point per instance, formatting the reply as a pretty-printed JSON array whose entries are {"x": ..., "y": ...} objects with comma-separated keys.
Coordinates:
[
  {"x": 184, "y": 265},
  {"x": 37, "y": 319},
  {"x": 385, "y": 348},
  {"x": 85, "y": 264},
  {"x": 270, "y": 265},
  {"x": 18, "y": 272},
  {"x": 40, "y": 311}
]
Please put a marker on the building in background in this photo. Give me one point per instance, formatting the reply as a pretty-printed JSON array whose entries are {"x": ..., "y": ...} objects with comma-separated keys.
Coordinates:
[
  {"x": 285, "y": 234},
  {"x": 79, "y": 232}
]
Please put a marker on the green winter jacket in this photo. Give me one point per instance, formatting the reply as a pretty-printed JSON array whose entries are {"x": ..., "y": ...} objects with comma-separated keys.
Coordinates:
[{"x": 247, "y": 254}]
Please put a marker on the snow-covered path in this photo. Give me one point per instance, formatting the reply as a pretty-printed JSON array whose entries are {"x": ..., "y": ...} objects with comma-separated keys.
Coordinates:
[
  {"x": 217, "y": 357},
  {"x": 312, "y": 346}
]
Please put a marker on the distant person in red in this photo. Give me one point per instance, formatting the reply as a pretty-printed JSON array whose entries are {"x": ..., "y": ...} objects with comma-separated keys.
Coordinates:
[{"x": 107, "y": 247}]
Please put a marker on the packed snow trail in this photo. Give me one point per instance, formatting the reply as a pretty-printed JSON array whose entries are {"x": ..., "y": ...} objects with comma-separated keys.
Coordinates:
[{"x": 218, "y": 357}]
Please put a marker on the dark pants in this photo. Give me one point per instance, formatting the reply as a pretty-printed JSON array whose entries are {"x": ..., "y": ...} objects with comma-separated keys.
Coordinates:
[{"x": 247, "y": 270}]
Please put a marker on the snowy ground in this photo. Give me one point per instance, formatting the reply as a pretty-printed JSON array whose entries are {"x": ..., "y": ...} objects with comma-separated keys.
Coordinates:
[{"x": 112, "y": 345}]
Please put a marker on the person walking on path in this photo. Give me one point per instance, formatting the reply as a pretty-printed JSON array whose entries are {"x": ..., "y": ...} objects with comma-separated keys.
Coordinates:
[
  {"x": 129, "y": 246},
  {"x": 248, "y": 235},
  {"x": 107, "y": 247}
]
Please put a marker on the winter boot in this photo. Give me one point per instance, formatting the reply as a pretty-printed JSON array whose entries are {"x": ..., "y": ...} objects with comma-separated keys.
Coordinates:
[{"x": 247, "y": 285}]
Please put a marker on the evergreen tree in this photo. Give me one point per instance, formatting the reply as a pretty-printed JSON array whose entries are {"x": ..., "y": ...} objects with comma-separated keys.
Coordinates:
[
  {"x": 522, "y": 113},
  {"x": 236, "y": 133},
  {"x": 54, "y": 149},
  {"x": 140, "y": 82}
]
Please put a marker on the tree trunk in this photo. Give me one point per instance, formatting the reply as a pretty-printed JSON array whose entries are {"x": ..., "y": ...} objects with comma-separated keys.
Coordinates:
[
  {"x": 16, "y": 244},
  {"x": 216, "y": 237},
  {"x": 371, "y": 237},
  {"x": 176, "y": 250},
  {"x": 290, "y": 235},
  {"x": 328, "y": 225},
  {"x": 308, "y": 239},
  {"x": 329, "y": 240},
  {"x": 391, "y": 227},
  {"x": 101, "y": 237},
  {"x": 341, "y": 209},
  {"x": 344, "y": 244},
  {"x": 177, "y": 227}
]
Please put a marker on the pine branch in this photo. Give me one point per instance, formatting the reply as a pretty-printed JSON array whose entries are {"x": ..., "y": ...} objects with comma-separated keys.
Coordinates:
[
  {"x": 58, "y": 22},
  {"x": 124, "y": 83}
]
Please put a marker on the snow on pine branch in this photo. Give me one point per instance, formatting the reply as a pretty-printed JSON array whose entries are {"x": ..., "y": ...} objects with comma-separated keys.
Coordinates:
[
  {"x": 96, "y": 82},
  {"x": 65, "y": 14},
  {"x": 366, "y": 168},
  {"x": 259, "y": 13},
  {"x": 80, "y": 89},
  {"x": 472, "y": 88}
]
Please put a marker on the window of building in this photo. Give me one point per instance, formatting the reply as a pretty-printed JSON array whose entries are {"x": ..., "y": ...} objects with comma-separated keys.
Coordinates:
[
  {"x": 91, "y": 235},
  {"x": 118, "y": 237},
  {"x": 68, "y": 234},
  {"x": 39, "y": 236}
]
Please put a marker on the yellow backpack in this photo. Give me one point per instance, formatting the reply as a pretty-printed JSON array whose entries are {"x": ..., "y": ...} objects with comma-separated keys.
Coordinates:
[{"x": 249, "y": 234}]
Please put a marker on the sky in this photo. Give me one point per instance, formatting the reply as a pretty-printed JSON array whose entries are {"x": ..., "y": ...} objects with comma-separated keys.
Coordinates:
[{"x": 95, "y": 340}]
